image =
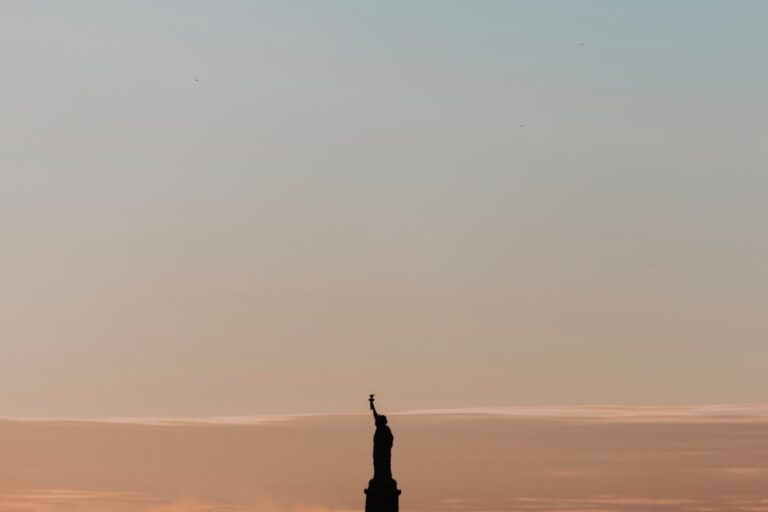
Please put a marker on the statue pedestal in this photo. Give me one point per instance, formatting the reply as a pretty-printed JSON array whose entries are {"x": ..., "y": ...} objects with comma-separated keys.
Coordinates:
[{"x": 382, "y": 495}]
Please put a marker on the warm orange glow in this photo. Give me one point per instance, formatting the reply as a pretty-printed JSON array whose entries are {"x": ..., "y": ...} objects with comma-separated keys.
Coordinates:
[{"x": 531, "y": 459}]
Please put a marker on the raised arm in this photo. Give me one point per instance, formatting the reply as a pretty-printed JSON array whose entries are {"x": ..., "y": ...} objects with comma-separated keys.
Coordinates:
[{"x": 373, "y": 408}]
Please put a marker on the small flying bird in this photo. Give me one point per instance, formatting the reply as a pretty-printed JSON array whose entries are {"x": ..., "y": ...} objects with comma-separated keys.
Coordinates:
[{"x": 581, "y": 44}]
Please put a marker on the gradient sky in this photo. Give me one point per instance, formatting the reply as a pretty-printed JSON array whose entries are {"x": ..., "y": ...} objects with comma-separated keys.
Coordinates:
[
  {"x": 237, "y": 207},
  {"x": 522, "y": 460}
]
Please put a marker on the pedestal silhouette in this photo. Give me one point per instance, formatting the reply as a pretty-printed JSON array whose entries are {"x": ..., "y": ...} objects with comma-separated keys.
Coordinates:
[{"x": 382, "y": 494}]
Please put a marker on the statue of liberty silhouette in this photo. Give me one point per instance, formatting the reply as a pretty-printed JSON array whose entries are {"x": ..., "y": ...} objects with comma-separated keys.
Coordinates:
[{"x": 382, "y": 494}]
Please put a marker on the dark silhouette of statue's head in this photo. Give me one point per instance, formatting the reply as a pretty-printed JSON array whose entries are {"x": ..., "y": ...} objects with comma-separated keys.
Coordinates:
[{"x": 381, "y": 420}]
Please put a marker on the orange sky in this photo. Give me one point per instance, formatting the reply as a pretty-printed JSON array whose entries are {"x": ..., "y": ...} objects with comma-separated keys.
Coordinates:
[{"x": 529, "y": 459}]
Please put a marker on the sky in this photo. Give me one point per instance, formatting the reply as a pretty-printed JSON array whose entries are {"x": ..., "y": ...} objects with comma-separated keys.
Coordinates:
[
  {"x": 233, "y": 208},
  {"x": 578, "y": 459}
]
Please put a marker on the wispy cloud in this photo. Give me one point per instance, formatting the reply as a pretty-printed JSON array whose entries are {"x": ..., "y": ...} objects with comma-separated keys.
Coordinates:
[
  {"x": 713, "y": 413},
  {"x": 718, "y": 413},
  {"x": 54, "y": 500},
  {"x": 44, "y": 500},
  {"x": 614, "y": 503},
  {"x": 182, "y": 421}
]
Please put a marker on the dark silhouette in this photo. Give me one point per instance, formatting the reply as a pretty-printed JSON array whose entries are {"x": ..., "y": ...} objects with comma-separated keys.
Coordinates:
[
  {"x": 382, "y": 445},
  {"x": 382, "y": 494}
]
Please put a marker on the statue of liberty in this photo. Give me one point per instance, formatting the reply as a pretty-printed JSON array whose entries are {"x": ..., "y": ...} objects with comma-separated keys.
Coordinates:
[
  {"x": 382, "y": 446},
  {"x": 382, "y": 494}
]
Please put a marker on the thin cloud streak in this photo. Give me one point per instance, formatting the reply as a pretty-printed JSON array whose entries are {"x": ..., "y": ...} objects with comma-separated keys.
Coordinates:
[
  {"x": 711, "y": 413},
  {"x": 716, "y": 413}
]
